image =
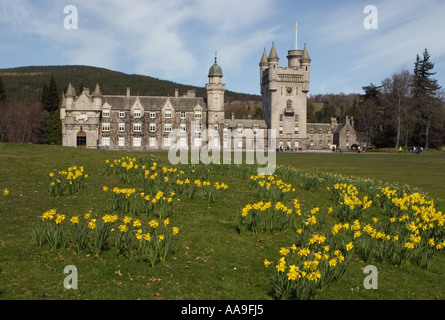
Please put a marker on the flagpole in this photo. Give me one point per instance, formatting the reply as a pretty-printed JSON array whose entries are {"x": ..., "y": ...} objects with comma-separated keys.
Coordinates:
[{"x": 296, "y": 36}]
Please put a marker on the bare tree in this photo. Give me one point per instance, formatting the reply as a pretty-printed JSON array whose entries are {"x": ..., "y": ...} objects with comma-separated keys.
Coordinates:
[{"x": 396, "y": 97}]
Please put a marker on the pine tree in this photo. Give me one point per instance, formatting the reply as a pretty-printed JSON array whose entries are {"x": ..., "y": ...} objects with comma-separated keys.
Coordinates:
[
  {"x": 425, "y": 95},
  {"x": 50, "y": 102},
  {"x": 54, "y": 129}
]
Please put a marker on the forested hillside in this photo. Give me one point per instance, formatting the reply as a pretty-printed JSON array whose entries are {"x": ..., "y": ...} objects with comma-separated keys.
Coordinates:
[{"x": 22, "y": 82}]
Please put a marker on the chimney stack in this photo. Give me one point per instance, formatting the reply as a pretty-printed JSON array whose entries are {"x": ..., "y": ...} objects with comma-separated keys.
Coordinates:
[{"x": 128, "y": 92}]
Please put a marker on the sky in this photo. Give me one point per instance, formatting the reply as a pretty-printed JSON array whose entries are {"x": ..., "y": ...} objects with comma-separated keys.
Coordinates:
[{"x": 177, "y": 39}]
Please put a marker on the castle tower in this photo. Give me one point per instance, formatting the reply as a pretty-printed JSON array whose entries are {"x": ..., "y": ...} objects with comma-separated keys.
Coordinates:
[
  {"x": 284, "y": 92},
  {"x": 215, "y": 100},
  {"x": 97, "y": 97}
]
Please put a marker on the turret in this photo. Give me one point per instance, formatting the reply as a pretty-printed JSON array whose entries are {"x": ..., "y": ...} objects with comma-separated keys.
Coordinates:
[
  {"x": 264, "y": 63},
  {"x": 273, "y": 63},
  {"x": 215, "y": 89},
  {"x": 97, "y": 97},
  {"x": 306, "y": 66},
  {"x": 69, "y": 96}
]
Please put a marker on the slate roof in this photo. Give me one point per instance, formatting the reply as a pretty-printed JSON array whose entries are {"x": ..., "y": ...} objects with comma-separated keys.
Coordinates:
[
  {"x": 154, "y": 103},
  {"x": 247, "y": 123}
]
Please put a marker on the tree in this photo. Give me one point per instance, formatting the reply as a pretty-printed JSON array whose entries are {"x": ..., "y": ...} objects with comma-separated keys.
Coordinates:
[
  {"x": 396, "y": 99},
  {"x": 369, "y": 112},
  {"x": 2, "y": 92},
  {"x": 50, "y": 96},
  {"x": 50, "y": 102},
  {"x": 425, "y": 95},
  {"x": 326, "y": 113},
  {"x": 54, "y": 129}
]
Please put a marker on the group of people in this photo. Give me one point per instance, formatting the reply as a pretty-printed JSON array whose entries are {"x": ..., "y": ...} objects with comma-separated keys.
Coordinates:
[
  {"x": 280, "y": 149},
  {"x": 417, "y": 149}
]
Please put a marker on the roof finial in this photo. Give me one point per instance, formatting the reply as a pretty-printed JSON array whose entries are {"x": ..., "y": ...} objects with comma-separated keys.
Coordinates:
[{"x": 216, "y": 54}]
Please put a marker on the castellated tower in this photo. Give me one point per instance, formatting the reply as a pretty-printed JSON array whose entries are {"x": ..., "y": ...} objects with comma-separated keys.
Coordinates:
[
  {"x": 215, "y": 102},
  {"x": 284, "y": 92}
]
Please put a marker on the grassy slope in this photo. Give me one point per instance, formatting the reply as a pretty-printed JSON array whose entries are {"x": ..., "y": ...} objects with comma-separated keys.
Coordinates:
[{"x": 211, "y": 261}]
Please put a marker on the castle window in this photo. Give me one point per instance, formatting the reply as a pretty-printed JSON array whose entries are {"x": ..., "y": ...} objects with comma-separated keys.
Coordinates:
[
  {"x": 198, "y": 114},
  {"x": 216, "y": 128},
  {"x": 121, "y": 114},
  {"x": 216, "y": 116},
  {"x": 137, "y": 141},
  {"x": 105, "y": 126},
  {"x": 296, "y": 130},
  {"x": 168, "y": 127},
  {"x": 197, "y": 142},
  {"x": 168, "y": 114},
  {"x": 183, "y": 141},
  {"x": 281, "y": 117},
  {"x": 152, "y": 115},
  {"x": 289, "y": 103},
  {"x": 197, "y": 126},
  {"x": 137, "y": 113},
  {"x": 167, "y": 142},
  {"x": 137, "y": 127},
  {"x": 296, "y": 118},
  {"x": 225, "y": 131},
  {"x": 105, "y": 141},
  {"x": 152, "y": 127},
  {"x": 281, "y": 131},
  {"x": 106, "y": 113},
  {"x": 152, "y": 142},
  {"x": 182, "y": 114},
  {"x": 183, "y": 127},
  {"x": 240, "y": 130},
  {"x": 121, "y": 141},
  {"x": 121, "y": 127}
]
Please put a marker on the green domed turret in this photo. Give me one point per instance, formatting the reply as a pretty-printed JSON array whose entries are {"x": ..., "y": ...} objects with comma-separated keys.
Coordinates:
[{"x": 215, "y": 70}]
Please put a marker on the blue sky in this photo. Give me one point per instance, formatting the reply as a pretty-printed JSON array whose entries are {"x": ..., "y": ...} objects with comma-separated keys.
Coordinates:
[{"x": 177, "y": 39}]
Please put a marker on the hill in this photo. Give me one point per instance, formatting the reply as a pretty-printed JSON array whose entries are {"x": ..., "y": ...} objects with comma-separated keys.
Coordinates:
[{"x": 23, "y": 82}]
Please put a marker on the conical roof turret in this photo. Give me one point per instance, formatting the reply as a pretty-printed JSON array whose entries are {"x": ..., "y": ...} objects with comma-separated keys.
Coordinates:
[
  {"x": 264, "y": 62},
  {"x": 305, "y": 56},
  {"x": 97, "y": 92},
  {"x": 273, "y": 57},
  {"x": 70, "y": 91}
]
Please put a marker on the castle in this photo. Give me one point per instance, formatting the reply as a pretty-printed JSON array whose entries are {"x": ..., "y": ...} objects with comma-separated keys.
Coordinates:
[
  {"x": 146, "y": 123},
  {"x": 284, "y": 92}
]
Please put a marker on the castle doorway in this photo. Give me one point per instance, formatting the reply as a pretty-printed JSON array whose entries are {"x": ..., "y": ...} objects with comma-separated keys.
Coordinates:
[{"x": 81, "y": 139}]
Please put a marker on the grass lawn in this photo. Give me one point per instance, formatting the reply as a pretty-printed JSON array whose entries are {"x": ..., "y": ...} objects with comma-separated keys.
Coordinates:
[{"x": 211, "y": 260}]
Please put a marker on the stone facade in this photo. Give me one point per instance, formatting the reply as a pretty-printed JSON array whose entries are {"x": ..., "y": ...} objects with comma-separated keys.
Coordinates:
[
  {"x": 284, "y": 91},
  {"x": 147, "y": 123},
  {"x": 150, "y": 123}
]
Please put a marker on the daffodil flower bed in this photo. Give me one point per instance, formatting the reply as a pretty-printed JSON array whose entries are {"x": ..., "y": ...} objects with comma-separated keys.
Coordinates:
[
  {"x": 67, "y": 181},
  {"x": 152, "y": 239}
]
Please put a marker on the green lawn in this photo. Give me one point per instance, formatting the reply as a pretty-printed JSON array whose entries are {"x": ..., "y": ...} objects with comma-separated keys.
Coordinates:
[{"x": 211, "y": 260}]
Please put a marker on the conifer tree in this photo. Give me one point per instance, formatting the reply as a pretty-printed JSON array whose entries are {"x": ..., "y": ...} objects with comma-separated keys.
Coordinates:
[{"x": 425, "y": 96}]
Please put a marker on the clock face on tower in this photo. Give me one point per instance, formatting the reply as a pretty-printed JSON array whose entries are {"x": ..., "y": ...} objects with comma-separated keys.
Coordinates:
[{"x": 289, "y": 90}]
